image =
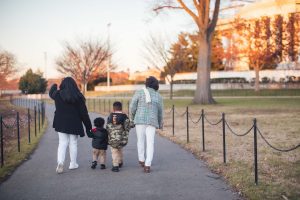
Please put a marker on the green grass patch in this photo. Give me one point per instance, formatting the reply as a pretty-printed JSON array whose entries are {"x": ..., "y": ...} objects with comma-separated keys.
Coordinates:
[
  {"x": 267, "y": 103},
  {"x": 241, "y": 92},
  {"x": 215, "y": 93}
]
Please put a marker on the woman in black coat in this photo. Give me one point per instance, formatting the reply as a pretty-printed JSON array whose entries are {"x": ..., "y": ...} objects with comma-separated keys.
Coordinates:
[{"x": 69, "y": 115}]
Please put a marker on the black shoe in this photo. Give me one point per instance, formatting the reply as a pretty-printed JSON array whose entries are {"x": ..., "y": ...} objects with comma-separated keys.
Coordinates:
[
  {"x": 102, "y": 166},
  {"x": 115, "y": 169},
  {"x": 94, "y": 164},
  {"x": 121, "y": 165}
]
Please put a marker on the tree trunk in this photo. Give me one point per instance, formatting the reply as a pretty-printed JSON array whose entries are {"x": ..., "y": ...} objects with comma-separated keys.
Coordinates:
[
  {"x": 203, "y": 91},
  {"x": 83, "y": 87},
  {"x": 256, "y": 69}
]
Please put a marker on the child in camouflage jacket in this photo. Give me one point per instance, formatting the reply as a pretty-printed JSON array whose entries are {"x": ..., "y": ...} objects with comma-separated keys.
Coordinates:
[{"x": 118, "y": 126}]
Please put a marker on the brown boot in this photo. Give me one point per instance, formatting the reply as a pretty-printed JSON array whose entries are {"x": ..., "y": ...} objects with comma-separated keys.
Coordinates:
[
  {"x": 147, "y": 169},
  {"x": 142, "y": 163}
]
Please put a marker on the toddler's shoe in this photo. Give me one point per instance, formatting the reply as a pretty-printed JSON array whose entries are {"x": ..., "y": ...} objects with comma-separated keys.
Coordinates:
[
  {"x": 121, "y": 165},
  {"x": 94, "y": 164},
  {"x": 102, "y": 166},
  {"x": 115, "y": 169}
]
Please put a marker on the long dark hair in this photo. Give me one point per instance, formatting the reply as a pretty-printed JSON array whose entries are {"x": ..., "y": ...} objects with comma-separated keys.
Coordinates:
[{"x": 69, "y": 91}]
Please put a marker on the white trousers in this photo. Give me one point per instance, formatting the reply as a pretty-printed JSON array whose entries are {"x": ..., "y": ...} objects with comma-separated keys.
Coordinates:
[
  {"x": 66, "y": 140},
  {"x": 145, "y": 132}
]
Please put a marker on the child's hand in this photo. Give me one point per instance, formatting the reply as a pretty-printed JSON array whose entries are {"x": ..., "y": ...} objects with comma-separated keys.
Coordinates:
[
  {"x": 89, "y": 133},
  {"x": 131, "y": 124}
]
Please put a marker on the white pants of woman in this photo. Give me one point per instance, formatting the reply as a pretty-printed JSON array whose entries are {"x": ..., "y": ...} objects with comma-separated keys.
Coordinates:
[
  {"x": 145, "y": 132},
  {"x": 66, "y": 140}
]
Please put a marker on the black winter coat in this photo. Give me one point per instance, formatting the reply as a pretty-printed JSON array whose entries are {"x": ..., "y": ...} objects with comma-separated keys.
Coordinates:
[
  {"x": 100, "y": 138},
  {"x": 68, "y": 117}
]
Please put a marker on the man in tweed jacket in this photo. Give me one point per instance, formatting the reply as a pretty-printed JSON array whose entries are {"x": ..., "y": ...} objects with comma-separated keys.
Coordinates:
[{"x": 146, "y": 110}]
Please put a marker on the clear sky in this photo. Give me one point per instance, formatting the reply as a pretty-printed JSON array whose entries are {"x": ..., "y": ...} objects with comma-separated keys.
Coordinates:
[{"x": 28, "y": 28}]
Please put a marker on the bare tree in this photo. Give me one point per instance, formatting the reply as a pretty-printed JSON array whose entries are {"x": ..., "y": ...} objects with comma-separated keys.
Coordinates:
[
  {"x": 82, "y": 60},
  {"x": 157, "y": 55},
  {"x": 200, "y": 13},
  {"x": 7, "y": 66}
]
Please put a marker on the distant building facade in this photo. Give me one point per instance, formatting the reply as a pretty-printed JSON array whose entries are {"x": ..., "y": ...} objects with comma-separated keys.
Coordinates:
[{"x": 258, "y": 10}]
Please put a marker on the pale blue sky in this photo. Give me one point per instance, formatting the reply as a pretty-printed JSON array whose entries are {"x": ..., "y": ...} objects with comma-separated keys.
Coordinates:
[{"x": 31, "y": 27}]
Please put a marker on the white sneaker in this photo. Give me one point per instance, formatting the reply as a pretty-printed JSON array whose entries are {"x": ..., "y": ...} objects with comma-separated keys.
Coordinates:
[
  {"x": 73, "y": 166},
  {"x": 60, "y": 168}
]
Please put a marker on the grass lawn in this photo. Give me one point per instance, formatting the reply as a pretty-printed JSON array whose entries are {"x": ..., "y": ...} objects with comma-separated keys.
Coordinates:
[
  {"x": 13, "y": 158},
  {"x": 245, "y": 92},
  {"x": 277, "y": 118}
]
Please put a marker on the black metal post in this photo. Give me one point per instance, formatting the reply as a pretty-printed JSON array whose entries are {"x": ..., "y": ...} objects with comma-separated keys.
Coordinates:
[
  {"x": 203, "y": 139},
  {"x": 99, "y": 105},
  {"x": 173, "y": 119},
  {"x": 28, "y": 124},
  {"x": 1, "y": 138},
  {"x": 42, "y": 113},
  {"x": 224, "y": 138},
  {"x": 255, "y": 151},
  {"x": 187, "y": 125},
  {"x": 18, "y": 131},
  {"x": 128, "y": 107},
  {"x": 94, "y": 105},
  {"x": 39, "y": 117},
  {"x": 35, "y": 121},
  {"x": 109, "y": 105}
]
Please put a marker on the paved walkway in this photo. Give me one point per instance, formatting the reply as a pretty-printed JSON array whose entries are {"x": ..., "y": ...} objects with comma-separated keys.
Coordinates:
[{"x": 176, "y": 174}]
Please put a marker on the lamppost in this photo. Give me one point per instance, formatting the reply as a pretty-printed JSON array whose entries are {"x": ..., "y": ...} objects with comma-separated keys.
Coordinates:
[
  {"x": 109, "y": 57},
  {"x": 45, "y": 60}
]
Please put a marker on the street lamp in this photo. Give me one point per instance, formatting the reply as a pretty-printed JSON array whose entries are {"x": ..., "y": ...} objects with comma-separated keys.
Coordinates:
[
  {"x": 108, "y": 64},
  {"x": 45, "y": 60}
]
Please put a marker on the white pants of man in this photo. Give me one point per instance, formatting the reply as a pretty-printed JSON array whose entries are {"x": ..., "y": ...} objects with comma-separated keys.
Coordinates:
[
  {"x": 145, "y": 132},
  {"x": 66, "y": 140}
]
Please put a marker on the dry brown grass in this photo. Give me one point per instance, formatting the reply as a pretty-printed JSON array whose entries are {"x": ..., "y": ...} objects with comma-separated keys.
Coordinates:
[{"x": 279, "y": 173}]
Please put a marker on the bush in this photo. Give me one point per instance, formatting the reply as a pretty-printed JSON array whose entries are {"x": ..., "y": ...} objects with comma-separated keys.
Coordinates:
[
  {"x": 98, "y": 81},
  {"x": 32, "y": 83},
  {"x": 229, "y": 80},
  {"x": 265, "y": 80}
]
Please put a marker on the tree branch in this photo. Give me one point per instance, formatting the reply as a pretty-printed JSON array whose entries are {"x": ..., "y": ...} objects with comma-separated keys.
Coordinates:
[
  {"x": 206, "y": 13},
  {"x": 190, "y": 12},
  {"x": 213, "y": 23},
  {"x": 158, "y": 8}
]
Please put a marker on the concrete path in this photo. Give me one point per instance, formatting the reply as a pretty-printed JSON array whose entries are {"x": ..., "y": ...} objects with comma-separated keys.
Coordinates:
[{"x": 176, "y": 174}]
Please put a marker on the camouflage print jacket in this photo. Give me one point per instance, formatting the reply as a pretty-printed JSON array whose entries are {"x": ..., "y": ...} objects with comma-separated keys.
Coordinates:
[{"x": 118, "y": 127}]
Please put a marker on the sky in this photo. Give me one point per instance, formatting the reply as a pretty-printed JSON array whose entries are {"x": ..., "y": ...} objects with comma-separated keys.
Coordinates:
[{"x": 29, "y": 28}]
